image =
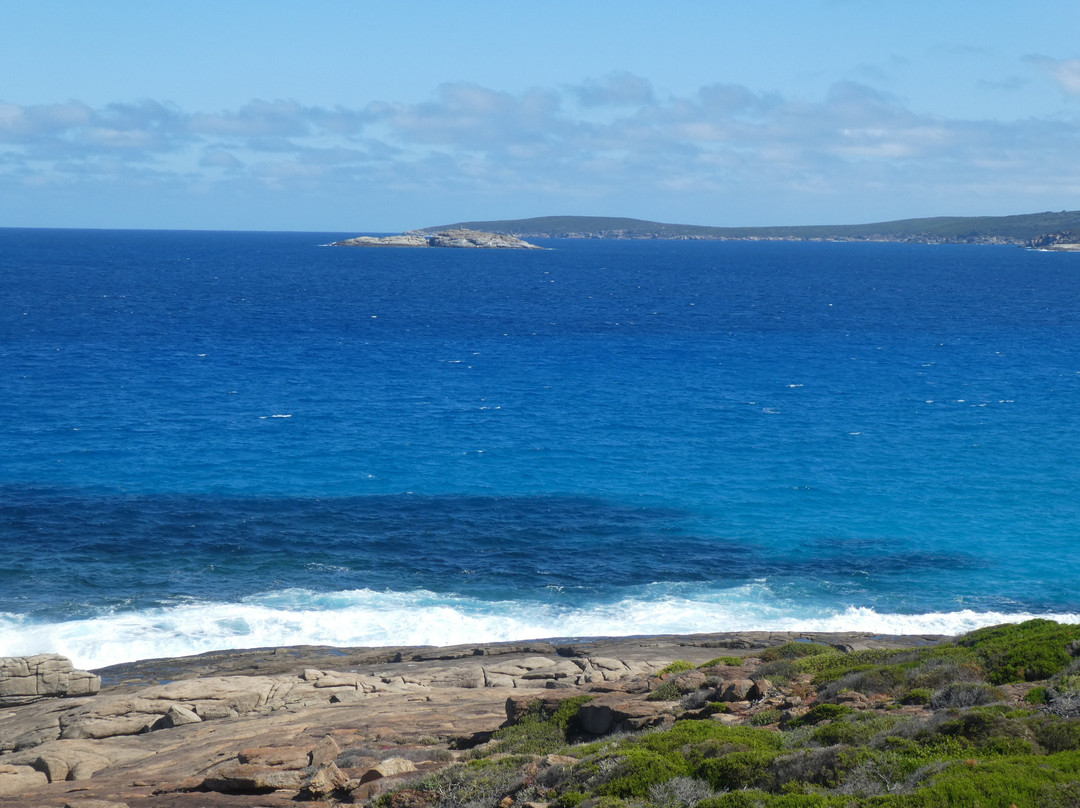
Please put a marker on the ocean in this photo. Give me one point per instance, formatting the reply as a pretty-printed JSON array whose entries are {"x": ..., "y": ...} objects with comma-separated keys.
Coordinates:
[{"x": 226, "y": 440}]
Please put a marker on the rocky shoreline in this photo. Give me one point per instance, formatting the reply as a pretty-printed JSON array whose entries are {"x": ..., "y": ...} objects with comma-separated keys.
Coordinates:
[{"x": 263, "y": 727}]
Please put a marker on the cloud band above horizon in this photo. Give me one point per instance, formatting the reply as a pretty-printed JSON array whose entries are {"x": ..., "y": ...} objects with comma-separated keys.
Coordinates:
[{"x": 723, "y": 155}]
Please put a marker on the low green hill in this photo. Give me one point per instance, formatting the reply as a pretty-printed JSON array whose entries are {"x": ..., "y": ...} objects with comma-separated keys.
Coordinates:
[{"x": 1020, "y": 229}]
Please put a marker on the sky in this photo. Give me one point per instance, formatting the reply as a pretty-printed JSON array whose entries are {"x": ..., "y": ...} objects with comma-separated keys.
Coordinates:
[{"x": 356, "y": 116}]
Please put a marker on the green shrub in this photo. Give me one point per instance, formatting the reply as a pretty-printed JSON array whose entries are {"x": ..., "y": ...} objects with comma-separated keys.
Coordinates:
[
  {"x": 678, "y": 666},
  {"x": 917, "y": 695},
  {"x": 795, "y": 650},
  {"x": 1000, "y": 783},
  {"x": 965, "y": 694},
  {"x": 1015, "y": 652},
  {"x": 692, "y": 737},
  {"x": 944, "y": 667},
  {"x": 666, "y": 691},
  {"x": 1037, "y": 695},
  {"x": 822, "y": 712},
  {"x": 869, "y": 682},
  {"x": 728, "y": 661},
  {"x": 778, "y": 671},
  {"x": 735, "y": 770},
  {"x": 638, "y": 769},
  {"x": 854, "y": 729},
  {"x": 679, "y": 792},
  {"x": 765, "y": 717},
  {"x": 481, "y": 781},
  {"x": 1056, "y": 734},
  {"x": 1066, "y": 685},
  {"x": 571, "y": 799},
  {"x": 537, "y": 732}
]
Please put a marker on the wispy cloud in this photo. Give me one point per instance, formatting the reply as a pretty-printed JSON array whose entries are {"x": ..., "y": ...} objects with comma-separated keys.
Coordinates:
[
  {"x": 1065, "y": 71},
  {"x": 616, "y": 139}
]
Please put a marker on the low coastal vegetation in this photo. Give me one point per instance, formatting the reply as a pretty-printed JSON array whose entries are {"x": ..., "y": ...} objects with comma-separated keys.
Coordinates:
[
  {"x": 1049, "y": 230},
  {"x": 990, "y": 719}
]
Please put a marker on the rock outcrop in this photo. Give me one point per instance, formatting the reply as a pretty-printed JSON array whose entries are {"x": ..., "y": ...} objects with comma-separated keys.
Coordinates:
[
  {"x": 1066, "y": 241},
  {"x": 344, "y": 725},
  {"x": 28, "y": 679},
  {"x": 446, "y": 238}
]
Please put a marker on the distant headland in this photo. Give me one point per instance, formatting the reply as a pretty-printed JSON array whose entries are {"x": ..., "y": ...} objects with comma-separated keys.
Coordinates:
[
  {"x": 1047, "y": 231},
  {"x": 453, "y": 237}
]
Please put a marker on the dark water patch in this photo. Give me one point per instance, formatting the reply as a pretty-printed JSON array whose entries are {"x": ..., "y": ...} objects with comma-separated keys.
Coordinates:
[{"x": 81, "y": 552}]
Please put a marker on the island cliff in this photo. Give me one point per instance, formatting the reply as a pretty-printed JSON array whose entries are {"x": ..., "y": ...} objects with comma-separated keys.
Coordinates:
[{"x": 460, "y": 237}]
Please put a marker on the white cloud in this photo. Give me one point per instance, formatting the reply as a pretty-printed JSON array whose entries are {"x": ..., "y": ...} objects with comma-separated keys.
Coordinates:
[
  {"x": 720, "y": 152},
  {"x": 1065, "y": 71}
]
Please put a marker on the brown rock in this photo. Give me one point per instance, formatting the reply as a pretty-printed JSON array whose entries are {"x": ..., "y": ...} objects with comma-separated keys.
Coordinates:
[
  {"x": 325, "y": 751},
  {"x": 691, "y": 681},
  {"x": 27, "y": 679},
  {"x": 178, "y": 716},
  {"x": 762, "y": 689},
  {"x": 853, "y": 698},
  {"x": 86, "y": 765},
  {"x": 53, "y": 767},
  {"x": 616, "y": 712},
  {"x": 286, "y": 757},
  {"x": 736, "y": 690},
  {"x": 17, "y": 780},
  {"x": 388, "y": 768},
  {"x": 248, "y": 779},
  {"x": 323, "y": 782},
  {"x": 519, "y": 706}
]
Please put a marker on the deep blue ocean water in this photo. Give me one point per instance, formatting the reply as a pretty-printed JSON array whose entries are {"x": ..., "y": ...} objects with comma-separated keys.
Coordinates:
[{"x": 216, "y": 440}]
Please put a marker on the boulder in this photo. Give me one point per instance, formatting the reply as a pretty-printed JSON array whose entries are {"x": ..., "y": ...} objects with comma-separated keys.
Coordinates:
[
  {"x": 761, "y": 690},
  {"x": 244, "y": 778},
  {"x": 736, "y": 690},
  {"x": 54, "y": 767},
  {"x": 17, "y": 780},
  {"x": 616, "y": 713},
  {"x": 325, "y": 751},
  {"x": 29, "y": 679},
  {"x": 388, "y": 768},
  {"x": 178, "y": 716},
  {"x": 323, "y": 782}
]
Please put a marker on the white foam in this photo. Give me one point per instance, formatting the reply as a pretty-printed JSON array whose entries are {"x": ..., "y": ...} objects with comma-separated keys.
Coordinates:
[{"x": 367, "y": 618}]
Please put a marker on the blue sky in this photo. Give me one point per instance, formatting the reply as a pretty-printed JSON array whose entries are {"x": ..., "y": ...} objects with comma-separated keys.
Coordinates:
[{"x": 363, "y": 116}]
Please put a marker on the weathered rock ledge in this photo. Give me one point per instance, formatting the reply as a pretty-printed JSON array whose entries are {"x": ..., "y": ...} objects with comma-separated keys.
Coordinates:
[
  {"x": 265, "y": 727},
  {"x": 446, "y": 238}
]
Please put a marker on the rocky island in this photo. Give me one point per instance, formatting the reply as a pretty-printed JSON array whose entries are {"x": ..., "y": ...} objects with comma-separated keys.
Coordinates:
[
  {"x": 1057, "y": 242},
  {"x": 708, "y": 720},
  {"x": 460, "y": 237}
]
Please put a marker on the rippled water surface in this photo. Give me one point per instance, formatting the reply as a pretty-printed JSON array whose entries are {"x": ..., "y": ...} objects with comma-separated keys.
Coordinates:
[{"x": 238, "y": 439}]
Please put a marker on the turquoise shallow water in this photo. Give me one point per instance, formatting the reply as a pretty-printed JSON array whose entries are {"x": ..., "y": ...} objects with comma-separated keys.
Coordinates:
[{"x": 238, "y": 439}]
